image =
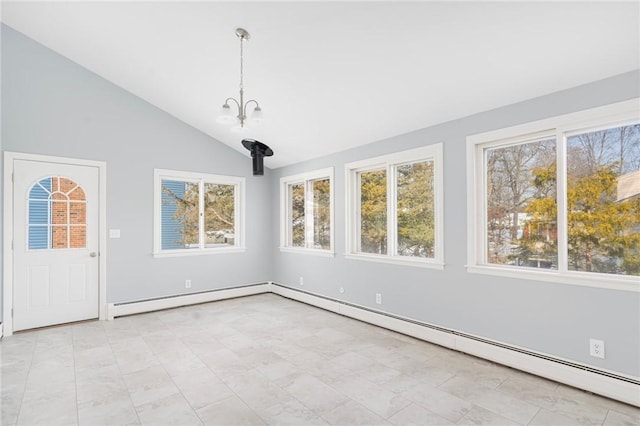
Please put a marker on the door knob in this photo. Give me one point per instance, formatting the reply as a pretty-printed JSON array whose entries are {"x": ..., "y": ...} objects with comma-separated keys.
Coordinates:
[{"x": 93, "y": 254}]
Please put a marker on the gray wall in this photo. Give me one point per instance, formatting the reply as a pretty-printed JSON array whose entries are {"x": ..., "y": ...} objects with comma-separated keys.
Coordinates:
[
  {"x": 556, "y": 319},
  {"x": 53, "y": 106}
]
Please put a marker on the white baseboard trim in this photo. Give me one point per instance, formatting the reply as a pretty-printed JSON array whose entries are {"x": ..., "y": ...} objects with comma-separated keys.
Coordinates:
[
  {"x": 622, "y": 389},
  {"x": 138, "y": 307}
]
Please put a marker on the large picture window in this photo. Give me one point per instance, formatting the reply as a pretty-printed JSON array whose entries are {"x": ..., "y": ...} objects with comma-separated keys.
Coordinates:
[
  {"x": 394, "y": 211},
  {"x": 307, "y": 212},
  {"x": 197, "y": 213},
  {"x": 561, "y": 196}
]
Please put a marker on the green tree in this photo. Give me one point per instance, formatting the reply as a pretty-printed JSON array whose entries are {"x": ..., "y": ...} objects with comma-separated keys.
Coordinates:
[
  {"x": 219, "y": 213},
  {"x": 416, "y": 218},
  {"x": 538, "y": 245},
  {"x": 322, "y": 213},
  {"x": 603, "y": 233},
  {"x": 509, "y": 190},
  {"x": 414, "y": 208},
  {"x": 373, "y": 212},
  {"x": 297, "y": 215}
]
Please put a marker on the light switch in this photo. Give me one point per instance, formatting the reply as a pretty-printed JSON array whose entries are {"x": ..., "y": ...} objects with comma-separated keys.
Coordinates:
[{"x": 114, "y": 233}]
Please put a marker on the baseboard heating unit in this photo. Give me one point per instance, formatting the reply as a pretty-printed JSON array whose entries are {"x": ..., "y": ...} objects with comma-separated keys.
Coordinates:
[{"x": 141, "y": 306}]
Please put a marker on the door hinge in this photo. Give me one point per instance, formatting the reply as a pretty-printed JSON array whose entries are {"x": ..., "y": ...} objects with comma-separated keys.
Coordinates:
[
  {"x": 12, "y": 178},
  {"x": 11, "y": 312}
]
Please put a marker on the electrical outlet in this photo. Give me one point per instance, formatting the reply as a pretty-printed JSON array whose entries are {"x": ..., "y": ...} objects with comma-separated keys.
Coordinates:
[
  {"x": 379, "y": 298},
  {"x": 187, "y": 283},
  {"x": 596, "y": 348},
  {"x": 341, "y": 290},
  {"x": 301, "y": 281}
]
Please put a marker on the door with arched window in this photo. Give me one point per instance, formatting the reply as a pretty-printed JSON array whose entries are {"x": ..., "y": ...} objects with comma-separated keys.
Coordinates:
[{"x": 55, "y": 243}]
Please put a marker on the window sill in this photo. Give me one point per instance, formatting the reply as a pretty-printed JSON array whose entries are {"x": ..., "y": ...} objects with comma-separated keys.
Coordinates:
[
  {"x": 396, "y": 260},
  {"x": 606, "y": 281},
  {"x": 199, "y": 252},
  {"x": 308, "y": 251}
]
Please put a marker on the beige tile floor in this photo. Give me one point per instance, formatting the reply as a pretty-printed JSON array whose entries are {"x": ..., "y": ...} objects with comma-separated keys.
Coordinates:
[{"x": 269, "y": 360}]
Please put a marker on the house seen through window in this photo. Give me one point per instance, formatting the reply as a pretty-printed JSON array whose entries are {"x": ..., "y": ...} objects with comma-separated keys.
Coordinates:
[{"x": 57, "y": 214}]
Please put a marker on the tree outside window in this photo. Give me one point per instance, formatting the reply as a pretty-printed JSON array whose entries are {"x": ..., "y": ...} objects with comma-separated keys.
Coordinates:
[
  {"x": 394, "y": 209},
  {"x": 602, "y": 198},
  {"x": 373, "y": 211},
  {"x": 307, "y": 210}
]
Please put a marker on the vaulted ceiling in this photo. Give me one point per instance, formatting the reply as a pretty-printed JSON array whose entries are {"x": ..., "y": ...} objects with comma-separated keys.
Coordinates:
[{"x": 335, "y": 75}]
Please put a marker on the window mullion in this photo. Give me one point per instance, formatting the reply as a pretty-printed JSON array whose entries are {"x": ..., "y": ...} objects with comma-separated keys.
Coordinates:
[
  {"x": 392, "y": 203},
  {"x": 68, "y": 224},
  {"x": 482, "y": 205},
  {"x": 49, "y": 222},
  {"x": 356, "y": 218},
  {"x": 201, "y": 242},
  {"x": 561, "y": 200}
]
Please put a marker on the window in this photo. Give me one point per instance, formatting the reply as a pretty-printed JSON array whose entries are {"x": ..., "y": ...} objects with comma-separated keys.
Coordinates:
[
  {"x": 559, "y": 199},
  {"x": 521, "y": 204},
  {"x": 307, "y": 212},
  {"x": 57, "y": 214},
  {"x": 394, "y": 208},
  {"x": 198, "y": 213}
]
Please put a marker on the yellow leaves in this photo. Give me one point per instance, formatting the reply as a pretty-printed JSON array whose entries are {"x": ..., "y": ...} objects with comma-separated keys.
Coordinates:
[{"x": 603, "y": 233}]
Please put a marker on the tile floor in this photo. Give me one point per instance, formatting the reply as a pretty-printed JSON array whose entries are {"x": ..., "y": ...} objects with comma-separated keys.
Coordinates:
[{"x": 269, "y": 360}]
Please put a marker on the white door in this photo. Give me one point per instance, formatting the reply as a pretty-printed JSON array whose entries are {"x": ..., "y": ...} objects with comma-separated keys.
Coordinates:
[{"x": 55, "y": 221}]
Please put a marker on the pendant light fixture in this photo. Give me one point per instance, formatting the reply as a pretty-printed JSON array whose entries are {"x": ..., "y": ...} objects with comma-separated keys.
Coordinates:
[{"x": 227, "y": 114}]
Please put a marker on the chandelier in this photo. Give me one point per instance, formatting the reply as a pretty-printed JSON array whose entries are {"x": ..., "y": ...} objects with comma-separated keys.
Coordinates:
[{"x": 227, "y": 115}]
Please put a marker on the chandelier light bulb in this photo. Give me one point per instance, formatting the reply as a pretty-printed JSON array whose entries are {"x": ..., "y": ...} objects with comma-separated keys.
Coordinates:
[
  {"x": 226, "y": 115},
  {"x": 257, "y": 116}
]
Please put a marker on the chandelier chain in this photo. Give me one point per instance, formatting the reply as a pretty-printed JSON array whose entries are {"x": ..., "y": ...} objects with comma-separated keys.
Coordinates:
[{"x": 241, "y": 63}]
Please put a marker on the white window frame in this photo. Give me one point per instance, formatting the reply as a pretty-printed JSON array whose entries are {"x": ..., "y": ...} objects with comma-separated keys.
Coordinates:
[
  {"x": 201, "y": 178},
  {"x": 389, "y": 162},
  {"x": 560, "y": 128},
  {"x": 306, "y": 179}
]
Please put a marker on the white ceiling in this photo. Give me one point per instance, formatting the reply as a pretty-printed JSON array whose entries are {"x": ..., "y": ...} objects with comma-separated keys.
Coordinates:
[{"x": 334, "y": 75}]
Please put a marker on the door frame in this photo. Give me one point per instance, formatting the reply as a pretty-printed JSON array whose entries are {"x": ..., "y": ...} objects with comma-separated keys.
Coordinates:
[{"x": 8, "y": 276}]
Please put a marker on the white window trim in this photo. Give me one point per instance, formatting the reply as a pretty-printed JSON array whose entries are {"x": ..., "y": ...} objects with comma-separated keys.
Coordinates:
[
  {"x": 557, "y": 127},
  {"x": 387, "y": 162},
  {"x": 239, "y": 234},
  {"x": 305, "y": 178}
]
